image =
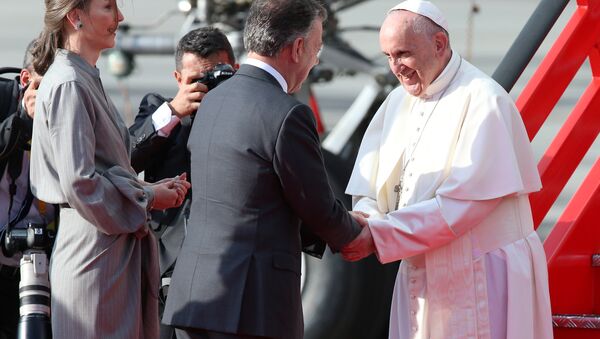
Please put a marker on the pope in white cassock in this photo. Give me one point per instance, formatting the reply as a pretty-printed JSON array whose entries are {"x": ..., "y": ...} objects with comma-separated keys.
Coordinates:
[{"x": 444, "y": 170}]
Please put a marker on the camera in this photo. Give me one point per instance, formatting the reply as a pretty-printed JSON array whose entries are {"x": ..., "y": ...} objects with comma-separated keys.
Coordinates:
[
  {"x": 34, "y": 237},
  {"x": 218, "y": 74},
  {"x": 34, "y": 242}
]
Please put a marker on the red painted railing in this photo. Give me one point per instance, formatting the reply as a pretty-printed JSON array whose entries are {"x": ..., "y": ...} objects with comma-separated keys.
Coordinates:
[{"x": 575, "y": 239}]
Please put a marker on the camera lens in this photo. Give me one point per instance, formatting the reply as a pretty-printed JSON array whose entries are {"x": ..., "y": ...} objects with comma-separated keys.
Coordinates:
[{"x": 34, "y": 288}]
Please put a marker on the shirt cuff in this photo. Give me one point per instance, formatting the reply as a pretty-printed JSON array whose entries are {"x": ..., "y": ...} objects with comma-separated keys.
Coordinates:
[
  {"x": 163, "y": 120},
  {"x": 149, "y": 197}
]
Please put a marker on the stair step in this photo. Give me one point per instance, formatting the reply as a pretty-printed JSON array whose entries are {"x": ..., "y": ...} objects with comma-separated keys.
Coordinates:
[{"x": 588, "y": 321}]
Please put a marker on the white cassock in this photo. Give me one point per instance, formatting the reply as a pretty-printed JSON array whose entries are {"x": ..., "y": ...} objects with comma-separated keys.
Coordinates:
[{"x": 472, "y": 265}]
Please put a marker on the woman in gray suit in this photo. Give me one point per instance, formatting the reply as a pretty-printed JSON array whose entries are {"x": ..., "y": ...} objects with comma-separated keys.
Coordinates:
[{"x": 104, "y": 268}]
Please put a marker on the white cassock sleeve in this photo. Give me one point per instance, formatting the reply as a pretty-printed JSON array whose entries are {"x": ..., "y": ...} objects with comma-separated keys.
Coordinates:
[
  {"x": 425, "y": 225},
  {"x": 367, "y": 205}
]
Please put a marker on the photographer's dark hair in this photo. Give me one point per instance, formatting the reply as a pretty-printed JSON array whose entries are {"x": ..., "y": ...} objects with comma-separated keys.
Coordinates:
[
  {"x": 203, "y": 42},
  {"x": 273, "y": 24}
]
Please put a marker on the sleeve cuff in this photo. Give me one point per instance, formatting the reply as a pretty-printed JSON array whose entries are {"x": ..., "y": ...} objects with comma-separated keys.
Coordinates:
[
  {"x": 410, "y": 231},
  {"x": 163, "y": 120},
  {"x": 150, "y": 197},
  {"x": 367, "y": 205}
]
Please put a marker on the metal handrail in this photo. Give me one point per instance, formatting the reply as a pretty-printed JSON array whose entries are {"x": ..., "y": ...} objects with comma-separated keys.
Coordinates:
[{"x": 528, "y": 41}]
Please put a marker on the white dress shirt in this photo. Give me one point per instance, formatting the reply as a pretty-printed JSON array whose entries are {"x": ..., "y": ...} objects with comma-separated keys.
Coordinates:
[{"x": 269, "y": 69}]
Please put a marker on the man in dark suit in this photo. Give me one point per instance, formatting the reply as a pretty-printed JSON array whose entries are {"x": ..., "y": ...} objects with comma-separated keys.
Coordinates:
[
  {"x": 160, "y": 135},
  {"x": 18, "y": 206},
  {"x": 258, "y": 173}
]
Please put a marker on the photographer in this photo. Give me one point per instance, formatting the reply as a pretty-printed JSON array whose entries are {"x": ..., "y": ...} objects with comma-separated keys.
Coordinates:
[
  {"x": 161, "y": 129},
  {"x": 18, "y": 206}
]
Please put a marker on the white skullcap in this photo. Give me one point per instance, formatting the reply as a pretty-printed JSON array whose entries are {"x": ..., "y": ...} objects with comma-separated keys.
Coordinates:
[{"x": 424, "y": 8}]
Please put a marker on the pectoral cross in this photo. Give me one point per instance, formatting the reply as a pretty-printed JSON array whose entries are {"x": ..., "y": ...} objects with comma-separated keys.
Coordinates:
[{"x": 398, "y": 190}]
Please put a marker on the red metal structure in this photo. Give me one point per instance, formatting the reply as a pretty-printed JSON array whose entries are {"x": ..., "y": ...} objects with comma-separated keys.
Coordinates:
[{"x": 573, "y": 245}]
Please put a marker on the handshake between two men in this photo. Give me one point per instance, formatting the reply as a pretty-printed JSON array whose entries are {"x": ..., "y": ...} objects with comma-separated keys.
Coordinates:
[{"x": 363, "y": 245}]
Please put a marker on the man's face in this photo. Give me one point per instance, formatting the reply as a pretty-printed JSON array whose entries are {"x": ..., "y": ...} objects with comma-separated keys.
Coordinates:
[
  {"x": 309, "y": 54},
  {"x": 194, "y": 67},
  {"x": 414, "y": 58},
  {"x": 29, "y": 78},
  {"x": 31, "y": 81}
]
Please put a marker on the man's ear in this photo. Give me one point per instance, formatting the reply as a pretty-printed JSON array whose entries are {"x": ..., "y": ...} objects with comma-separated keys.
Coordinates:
[
  {"x": 297, "y": 49},
  {"x": 233, "y": 64},
  {"x": 178, "y": 77},
  {"x": 24, "y": 77}
]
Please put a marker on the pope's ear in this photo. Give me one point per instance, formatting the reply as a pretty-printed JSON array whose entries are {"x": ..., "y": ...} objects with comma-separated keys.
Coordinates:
[{"x": 441, "y": 41}]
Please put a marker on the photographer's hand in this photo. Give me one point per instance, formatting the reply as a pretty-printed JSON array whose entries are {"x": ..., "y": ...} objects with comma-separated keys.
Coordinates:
[{"x": 188, "y": 98}]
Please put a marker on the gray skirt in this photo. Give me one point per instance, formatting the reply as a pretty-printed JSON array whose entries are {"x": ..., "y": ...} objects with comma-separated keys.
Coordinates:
[{"x": 102, "y": 286}]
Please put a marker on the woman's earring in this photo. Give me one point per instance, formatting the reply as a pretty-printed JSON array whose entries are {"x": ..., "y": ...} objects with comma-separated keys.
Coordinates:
[{"x": 78, "y": 25}]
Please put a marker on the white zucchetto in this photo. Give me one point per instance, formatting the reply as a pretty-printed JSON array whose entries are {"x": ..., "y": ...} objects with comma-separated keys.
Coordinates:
[{"x": 424, "y": 8}]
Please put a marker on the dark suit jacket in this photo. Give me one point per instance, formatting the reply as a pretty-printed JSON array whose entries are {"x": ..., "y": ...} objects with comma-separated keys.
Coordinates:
[
  {"x": 257, "y": 172},
  {"x": 15, "y": 134},
  {"x": 15, "y": 124},
  {"x": 160, "y": 158}
]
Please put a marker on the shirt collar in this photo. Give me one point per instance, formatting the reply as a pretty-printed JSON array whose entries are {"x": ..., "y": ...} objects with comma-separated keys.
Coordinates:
[
  {"x": 78, "y": 61},
  {"x": 269, "y": 69},
  {"x": 443, "y": 80}
]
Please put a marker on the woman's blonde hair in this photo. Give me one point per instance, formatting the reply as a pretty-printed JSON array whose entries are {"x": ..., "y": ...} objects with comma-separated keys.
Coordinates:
[{"x": 51, "y": 38}]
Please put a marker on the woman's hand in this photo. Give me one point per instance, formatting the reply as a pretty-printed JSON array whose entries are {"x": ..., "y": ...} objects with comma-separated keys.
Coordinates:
[{"x": 170, "y": 192}]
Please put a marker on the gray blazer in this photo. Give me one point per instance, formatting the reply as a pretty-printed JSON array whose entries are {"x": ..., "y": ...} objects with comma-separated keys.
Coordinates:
[{"x": 257, "y": 172}]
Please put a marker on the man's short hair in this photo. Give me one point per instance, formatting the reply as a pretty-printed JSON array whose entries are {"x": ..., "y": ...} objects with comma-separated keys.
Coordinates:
[
  {"x": 28, "y": 59},
  {"x": 273, "y": 24},
  {"x": 203, "y": 42}
]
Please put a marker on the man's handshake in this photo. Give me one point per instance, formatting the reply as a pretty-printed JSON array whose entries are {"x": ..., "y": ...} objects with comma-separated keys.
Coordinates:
[{"x": 363, "y": 245}]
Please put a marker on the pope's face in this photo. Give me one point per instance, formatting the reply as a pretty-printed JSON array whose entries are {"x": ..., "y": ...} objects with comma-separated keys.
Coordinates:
[{"x": 412, "y": 57}]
